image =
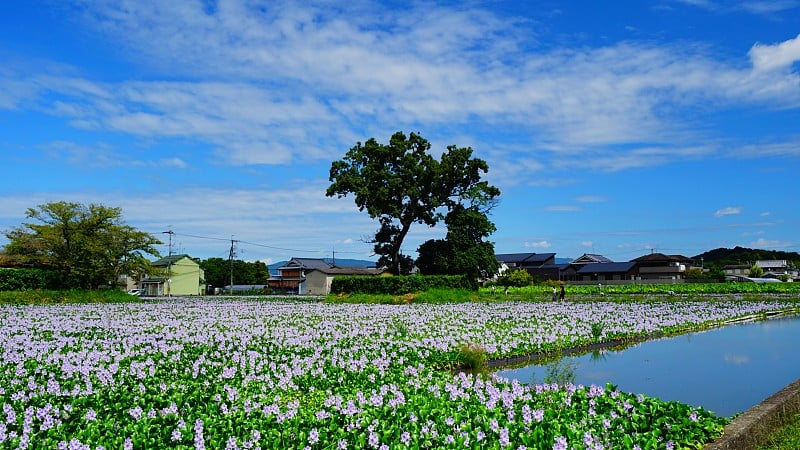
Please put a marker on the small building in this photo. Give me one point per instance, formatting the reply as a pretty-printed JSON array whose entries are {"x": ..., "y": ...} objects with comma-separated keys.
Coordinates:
[
  {"x": 318, "y": 281},
  {"x": 736, "y": 270},
  {"x": 291, "y": 275},
  {"x": 524, "y": 260},
  {"x": 607, "y": 271},
  {"x": 174, "y": 275},
  {"x": 658, "y": 266},
  {"x": 774, "y": 266}
]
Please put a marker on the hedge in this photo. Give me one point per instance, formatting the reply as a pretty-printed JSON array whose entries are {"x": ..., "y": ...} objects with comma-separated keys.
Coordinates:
[
  {"x": 397, "y": 285},
  {"x": 12, "y": 279}
]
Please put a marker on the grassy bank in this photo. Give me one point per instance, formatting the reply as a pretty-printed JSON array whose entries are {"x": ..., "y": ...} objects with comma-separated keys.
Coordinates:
[{"x": 40, "y": 297}]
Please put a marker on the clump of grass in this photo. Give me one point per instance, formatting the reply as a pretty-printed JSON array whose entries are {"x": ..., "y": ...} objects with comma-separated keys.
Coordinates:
[
  {"x": 473, "y": 357},
  {"x": 46, "y": 297},
  {"x": 786, "y": 437},
  {"x": 597, "y": 330}
]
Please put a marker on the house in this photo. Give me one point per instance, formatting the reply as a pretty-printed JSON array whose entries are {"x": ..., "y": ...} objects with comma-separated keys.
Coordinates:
[
  {"x": 175, "y": 275},
  {"x": 773, "y": 266},
  {"x": 607, "y": 271},
  {"x": 570, "y": 273},
  {"x": 658, "y": 266},
  {"x": 318, "y": 281},
  {"x": 524, "y": 260},
  {"x": 736, "y": 270},
  {"x": 291, "y": 275}
]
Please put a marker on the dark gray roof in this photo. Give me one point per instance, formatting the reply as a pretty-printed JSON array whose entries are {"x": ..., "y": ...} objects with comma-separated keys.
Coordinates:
[
  {"x": 612, "y": 267},
  {"x": 592, "y": 257},
  {"x": 660, "y": 257},
  {"x": 167, "y": 260},
  {"x": 351, "y": 270},
  {"x": 524, "y": 257},
  {"x": 306, "y": 263}
]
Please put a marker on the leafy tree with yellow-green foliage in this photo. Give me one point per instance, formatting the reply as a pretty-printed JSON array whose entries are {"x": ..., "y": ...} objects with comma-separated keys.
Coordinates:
[{"x": 88, "y": 245}]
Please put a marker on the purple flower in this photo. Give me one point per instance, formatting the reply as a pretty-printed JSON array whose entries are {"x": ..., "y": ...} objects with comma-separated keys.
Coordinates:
[{"x": 560, "y": 443}]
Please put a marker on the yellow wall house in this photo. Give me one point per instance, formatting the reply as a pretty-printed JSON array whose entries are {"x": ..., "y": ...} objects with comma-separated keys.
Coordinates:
[{"x": 175, "y": 275}]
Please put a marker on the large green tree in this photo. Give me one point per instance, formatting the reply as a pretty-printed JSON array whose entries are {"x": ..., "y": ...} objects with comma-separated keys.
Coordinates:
[
  {"x": 465, "y": 250},
  {"x": 218, "y": 271},
  {"x": 401, "y": 183},
  {"x": 89, "y": 245}
]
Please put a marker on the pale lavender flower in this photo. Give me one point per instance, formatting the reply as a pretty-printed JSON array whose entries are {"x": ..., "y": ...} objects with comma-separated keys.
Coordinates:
[
  {"x": 91, "y": 415},
  {"x": 313, "y": 436},
  {"x": 504, "y": 440},
  {"x": 560, "y": 443}
]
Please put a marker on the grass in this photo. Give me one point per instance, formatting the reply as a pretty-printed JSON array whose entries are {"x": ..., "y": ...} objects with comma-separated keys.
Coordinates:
[
  {"x": 42, "y": 297},
  {"x": 786, "y": 437}
]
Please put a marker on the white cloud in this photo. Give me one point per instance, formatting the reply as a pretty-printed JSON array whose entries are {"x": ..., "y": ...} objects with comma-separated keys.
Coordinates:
[
  {"x": 285, "y": 82},
  {"x": 591, "y": 199},
  {"x": 564, "y": 208},
  {"x": 777, "y": 56},
  {"x": 538, "y": 245},
  {"x": 736, "y": 359},
  {"x": 588, "y": 244},
  {"x": 728, "y": 211},
  {"x": 768, "y": 244}
]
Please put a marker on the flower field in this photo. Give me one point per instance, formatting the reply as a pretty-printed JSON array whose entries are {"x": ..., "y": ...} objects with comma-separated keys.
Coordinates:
[{"x": 235, "y": 374}]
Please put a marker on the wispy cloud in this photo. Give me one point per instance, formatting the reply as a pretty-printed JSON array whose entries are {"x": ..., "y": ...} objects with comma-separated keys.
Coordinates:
[
  {"x": 538, "y": 244},
  {"x": 777, "y": 56},
  {"x": 728, "y": 211},
  {"x": 285, "y": 83},
  {"x": 564, "y": 208},
  {"x": 591, "y": 199}
]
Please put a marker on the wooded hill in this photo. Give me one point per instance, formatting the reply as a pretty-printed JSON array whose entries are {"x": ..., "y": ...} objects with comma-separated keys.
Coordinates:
[{"x": 740, "y": 255}]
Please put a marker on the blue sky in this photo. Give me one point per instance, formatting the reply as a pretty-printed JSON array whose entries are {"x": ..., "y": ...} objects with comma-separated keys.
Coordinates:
[{"x": 617, "y": 128}]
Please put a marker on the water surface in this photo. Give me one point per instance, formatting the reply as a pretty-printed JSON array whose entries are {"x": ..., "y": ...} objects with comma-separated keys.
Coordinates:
[{"x": 726, "y": 370}]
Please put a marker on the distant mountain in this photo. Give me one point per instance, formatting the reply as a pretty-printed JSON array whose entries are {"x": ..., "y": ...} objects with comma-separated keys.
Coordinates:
[
  {"x": 740, "y": 255},
  {"x": 341, "y": 262}
]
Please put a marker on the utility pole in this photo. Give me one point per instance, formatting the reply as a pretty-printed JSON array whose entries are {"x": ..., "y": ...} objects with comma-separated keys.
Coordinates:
[
  {"x": 168, "y": 283},
  {"x": 231, "y": 256}
]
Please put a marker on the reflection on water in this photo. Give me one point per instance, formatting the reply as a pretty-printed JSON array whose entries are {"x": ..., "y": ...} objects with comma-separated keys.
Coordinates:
[{"x": 726, "y": 370}]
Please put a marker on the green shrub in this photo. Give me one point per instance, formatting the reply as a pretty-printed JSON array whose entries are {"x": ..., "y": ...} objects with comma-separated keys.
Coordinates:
[
  {"x": 473, "y": 357},
  {"x": 516, "y": 277},
  {"x": 398, "y": 285},
  {"x": 49, "y": 297},
  {"x": 13, "y": 279}
]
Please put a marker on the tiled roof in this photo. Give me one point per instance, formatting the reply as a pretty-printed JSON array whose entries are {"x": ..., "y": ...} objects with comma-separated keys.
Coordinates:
[
  {"x": 306, "y": 263},
  {"x": 591, "y": 257},
  {"x": 660, "y": 257},
  {"x": 524, "y": 257},
  {"x": 167, "y": 260},
  {"x": 351, "y": 270},
  {"x": 612, "y": 267}
]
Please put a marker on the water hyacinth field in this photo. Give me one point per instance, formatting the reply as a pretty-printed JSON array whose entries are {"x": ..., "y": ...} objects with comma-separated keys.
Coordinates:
[{"x": 237, "y": 374}]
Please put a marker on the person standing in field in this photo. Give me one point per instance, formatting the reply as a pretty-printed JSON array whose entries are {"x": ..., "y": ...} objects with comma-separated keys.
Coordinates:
[
  {"x": 563, "y": 293},
  {"x": 555, "y": 294}
]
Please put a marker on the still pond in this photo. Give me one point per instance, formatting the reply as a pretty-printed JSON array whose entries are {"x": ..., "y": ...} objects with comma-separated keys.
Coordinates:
[{"x": 726, "y": 370}]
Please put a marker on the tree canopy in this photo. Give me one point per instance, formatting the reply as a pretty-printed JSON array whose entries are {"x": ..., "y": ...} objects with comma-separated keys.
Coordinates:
[
  {"x": 464, "y": 250},
  {"x": 89, "y": 245},
  {"x": 401, "y": 183},
  {"x": 218, "y": 272}
]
